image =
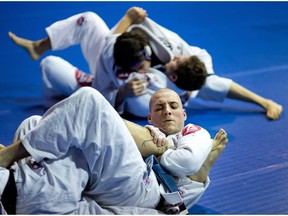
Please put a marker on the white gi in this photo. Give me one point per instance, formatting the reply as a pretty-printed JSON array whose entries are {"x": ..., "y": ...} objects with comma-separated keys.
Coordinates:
[
  {"x": 192, "y": 146},
  {"x": 82, "y": 163},
  {"x": 86, "y": 162},
  {"x": 165, "y": 44},
  {"x": 89, "y": 30}
]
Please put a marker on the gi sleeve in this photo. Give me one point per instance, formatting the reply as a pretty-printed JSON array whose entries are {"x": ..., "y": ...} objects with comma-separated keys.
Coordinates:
[
  {"x": 105, "y": 79},
  {"x": 215, "y": 88},
  {"x": 193, "y": 145}
]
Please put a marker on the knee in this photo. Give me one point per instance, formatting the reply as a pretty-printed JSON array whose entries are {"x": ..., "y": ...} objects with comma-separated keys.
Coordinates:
[
  {"x": 88, "y": 92},
  {"x": 33, "y": 120},
  {"x": 91, "y": 16},
  {"x": 47, "y": 62},
  {"x": 88, "y": 19},
  {"x": 92, "y": 24},
  {"x": 27, "y": 125}
]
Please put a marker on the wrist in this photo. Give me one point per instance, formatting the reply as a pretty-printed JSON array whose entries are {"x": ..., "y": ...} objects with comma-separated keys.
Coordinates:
[{"x": 128, "y": 19}]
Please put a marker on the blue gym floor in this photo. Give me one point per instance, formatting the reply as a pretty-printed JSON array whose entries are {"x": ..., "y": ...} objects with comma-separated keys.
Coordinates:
[{"x": 248, "y": 42}]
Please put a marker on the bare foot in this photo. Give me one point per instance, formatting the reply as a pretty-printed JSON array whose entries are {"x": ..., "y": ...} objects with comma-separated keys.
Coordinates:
[
  {"x": 219, "y": 143},
  {"x": 273, "y": 110},
  {"x": 32, "y": 47}
]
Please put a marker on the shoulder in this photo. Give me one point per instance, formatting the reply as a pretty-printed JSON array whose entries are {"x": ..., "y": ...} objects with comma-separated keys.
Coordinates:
[
  {"x": 190, "y": 129},
  {"x": 192, "y": 132}
]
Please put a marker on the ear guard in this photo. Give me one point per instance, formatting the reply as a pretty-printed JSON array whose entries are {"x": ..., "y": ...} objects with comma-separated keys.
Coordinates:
[
  {"x": 147, "y": 52},
  {"x": 123, "y": 73}
]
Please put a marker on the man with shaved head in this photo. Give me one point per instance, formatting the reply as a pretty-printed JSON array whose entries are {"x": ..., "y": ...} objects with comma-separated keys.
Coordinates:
[{"x": 81, "y": 154}]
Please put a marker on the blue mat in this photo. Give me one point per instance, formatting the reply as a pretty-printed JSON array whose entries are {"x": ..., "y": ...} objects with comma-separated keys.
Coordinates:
[{"x": 248, "y": 43}]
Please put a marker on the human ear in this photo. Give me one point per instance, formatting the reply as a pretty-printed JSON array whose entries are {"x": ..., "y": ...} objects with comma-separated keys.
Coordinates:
[
  {"x": 149, "y": 118},
  {"x": 184, "y": 114},
  {"x": 173, "y": 77}
]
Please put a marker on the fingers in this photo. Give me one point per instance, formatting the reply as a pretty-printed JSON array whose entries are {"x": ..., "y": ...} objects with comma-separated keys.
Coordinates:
[
  {"x": 274, "y": 112},
  {"x": 134, "y": 87},
  {"x": 138, "y": 87},
  {"x": 161, "y": 142},
  {"x": 159, "y": 138},
  {"x": 137, "y": 14}
]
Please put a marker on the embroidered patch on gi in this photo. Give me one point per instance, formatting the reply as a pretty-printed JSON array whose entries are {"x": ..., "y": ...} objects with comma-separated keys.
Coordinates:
[
  {"x": 181, "y": 191},
  {"x": 83, "y": 79},
  {"x": 190, "y": 129},
  {"x": 80, "y": 21},
  {"x": 122, "y": 75}
]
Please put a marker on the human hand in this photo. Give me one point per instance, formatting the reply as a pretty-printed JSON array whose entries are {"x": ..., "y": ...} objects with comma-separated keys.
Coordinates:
[
  {"x": 134, "y": 87},
  {"x": 159, "y": 138},
  {"x": 273, "y": 110},
  {"x": 136, "y": 14}
]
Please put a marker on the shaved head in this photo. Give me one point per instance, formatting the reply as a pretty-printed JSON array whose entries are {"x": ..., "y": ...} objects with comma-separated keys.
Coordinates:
[{"x": 166, "y": 111}]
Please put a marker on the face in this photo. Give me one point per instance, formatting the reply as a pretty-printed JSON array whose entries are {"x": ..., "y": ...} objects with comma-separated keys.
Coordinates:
[
  {"x": 172, "y": 66},
  {"x": 141, "y": 67},
  {"x": 166, "y": 112}
]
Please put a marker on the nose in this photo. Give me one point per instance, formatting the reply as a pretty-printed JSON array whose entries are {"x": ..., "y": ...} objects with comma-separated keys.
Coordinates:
[{"x": 167, "y": 111}]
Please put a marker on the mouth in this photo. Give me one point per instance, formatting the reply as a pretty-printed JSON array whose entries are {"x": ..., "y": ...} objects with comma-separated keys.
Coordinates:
[{"x": 168, "y": 120}]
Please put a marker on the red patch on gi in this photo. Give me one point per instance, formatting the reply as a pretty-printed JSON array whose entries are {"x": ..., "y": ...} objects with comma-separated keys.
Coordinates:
[
  {"x": 122, "y": 75},
  {"x": 190, "y": 129},
  {"x": 83, "y": 79}
]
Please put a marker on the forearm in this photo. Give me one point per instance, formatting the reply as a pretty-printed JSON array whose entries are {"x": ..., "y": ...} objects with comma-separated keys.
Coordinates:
[
  {"x": 12, "y": 153},
  {"x": 134, "y": 15},
  {"x": 120, "y": 97},
  {"x": 144, "y": 140},
  {"x": 123, "y": 25}
]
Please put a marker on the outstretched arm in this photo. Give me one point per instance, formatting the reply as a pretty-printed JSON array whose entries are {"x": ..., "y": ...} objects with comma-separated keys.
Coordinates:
[
  {"x": 238, "y": 92},
  {"x": 134, "y": 15}
]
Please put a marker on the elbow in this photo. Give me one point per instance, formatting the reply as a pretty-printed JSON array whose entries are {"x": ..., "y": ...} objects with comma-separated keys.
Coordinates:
[
  {"x": 190, "y": 167},
  {"x": 193, "y": 167}
]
